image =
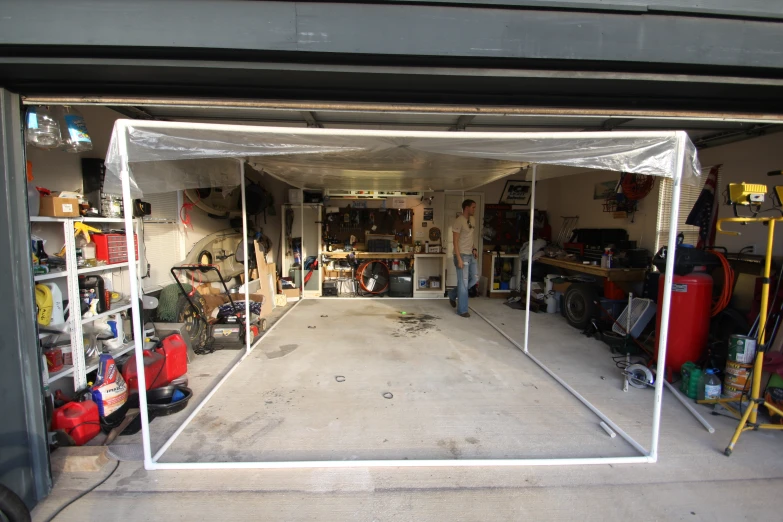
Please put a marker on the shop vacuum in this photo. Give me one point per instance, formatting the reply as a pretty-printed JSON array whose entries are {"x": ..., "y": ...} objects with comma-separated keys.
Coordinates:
[{"x": 691, "y": 303}]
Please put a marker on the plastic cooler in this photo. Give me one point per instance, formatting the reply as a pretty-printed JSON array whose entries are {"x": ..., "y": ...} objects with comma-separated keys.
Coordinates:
[{"x": 111, "y": 247}]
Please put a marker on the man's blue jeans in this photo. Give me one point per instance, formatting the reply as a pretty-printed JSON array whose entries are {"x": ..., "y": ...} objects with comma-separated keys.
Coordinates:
[{"x": 466, "y": 278}]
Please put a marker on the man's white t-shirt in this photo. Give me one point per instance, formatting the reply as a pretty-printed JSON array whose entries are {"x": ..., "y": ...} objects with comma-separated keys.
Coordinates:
[{"x": 464, "y": 227}]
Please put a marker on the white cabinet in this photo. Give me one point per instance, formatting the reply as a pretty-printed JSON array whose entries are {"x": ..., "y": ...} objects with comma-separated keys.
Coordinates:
[
  {"x": 426, "y": 266},
  {"x": 503, "y": 273}
]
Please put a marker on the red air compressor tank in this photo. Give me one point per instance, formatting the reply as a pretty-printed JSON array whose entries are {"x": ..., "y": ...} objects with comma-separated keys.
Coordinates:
[{"x": 689, "y": 318}]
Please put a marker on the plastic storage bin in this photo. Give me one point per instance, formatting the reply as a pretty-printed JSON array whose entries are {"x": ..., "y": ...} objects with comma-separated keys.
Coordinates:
[{"x": 111, "y": 248}]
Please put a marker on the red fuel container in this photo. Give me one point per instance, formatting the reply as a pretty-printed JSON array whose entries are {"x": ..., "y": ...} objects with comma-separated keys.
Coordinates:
[
  {"x": 176, "y": 357},
  {"x": 79, "y": 420},
  {"x": 161, "y": 365}
]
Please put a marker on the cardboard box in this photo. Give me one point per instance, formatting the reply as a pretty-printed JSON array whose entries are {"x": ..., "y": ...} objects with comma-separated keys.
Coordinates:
[
  {"x": 291, "y": 294},
  {"x": 561, "y": 287},
  {"x": 53, "y": 206}
]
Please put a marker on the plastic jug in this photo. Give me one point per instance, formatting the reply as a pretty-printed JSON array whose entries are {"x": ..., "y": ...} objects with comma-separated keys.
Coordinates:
[
  {"x": 685, "y": 372},
  {"x": 175, "y": 351},
  {"x": 710, "y": 387},
  {"x": 154, "y": 376},
  {"x": 693, "y": 383},
  {"x": 110, "y": 392},
  {"x": 79, "y": 420},
  {"x": 58, "y": 314},
  {"x": 162, "y": 365},
  {"x": 551, "y": 303}
]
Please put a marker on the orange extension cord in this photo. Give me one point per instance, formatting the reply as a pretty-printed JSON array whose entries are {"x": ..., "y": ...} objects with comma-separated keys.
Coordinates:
[{"x": 728, "y": 285}]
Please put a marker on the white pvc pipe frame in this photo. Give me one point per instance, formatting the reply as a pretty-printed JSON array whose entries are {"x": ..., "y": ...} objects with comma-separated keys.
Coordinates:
[{"x": 152, "y": 463}]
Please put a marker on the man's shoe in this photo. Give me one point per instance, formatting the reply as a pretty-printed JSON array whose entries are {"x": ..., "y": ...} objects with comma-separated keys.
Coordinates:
[
  {"x": 466, "y": 314},
  {"x": 453, "y": 303}
]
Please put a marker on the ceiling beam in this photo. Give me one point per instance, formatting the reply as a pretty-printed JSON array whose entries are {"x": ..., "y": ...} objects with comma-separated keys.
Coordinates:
[
  {"x": 309, "y": 117},
  {"x": 134, "y": 113},
  {"x": 733, "y": 136},
  {"x": 611, "y": 124}
]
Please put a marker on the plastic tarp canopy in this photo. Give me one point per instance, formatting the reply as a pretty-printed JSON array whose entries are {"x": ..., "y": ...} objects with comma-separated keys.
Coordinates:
[{"x": 168, "y": 156}]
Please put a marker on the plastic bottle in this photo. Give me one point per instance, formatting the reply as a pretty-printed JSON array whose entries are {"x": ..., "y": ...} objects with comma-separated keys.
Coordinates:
[
  {"x": 712, "y": 387},
  {"x": 42, "y": 129},
  {"x": 74, "y": 132},
  {"x": 40, "y": 253}
]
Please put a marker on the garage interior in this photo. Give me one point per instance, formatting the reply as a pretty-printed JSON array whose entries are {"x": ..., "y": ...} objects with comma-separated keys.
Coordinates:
[{"x": 477, "y": 376}]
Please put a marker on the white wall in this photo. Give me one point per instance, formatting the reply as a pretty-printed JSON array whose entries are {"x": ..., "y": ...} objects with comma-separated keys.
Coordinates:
[
  {"x": 748, "y": 161},
  {"x": 493, "y": 191},
  {"x": 573, "y": 196}
]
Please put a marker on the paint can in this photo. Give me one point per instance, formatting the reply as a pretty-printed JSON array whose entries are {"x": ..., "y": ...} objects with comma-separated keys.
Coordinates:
[
  {"x": 731, "y": 392},
  {"x": 737, "y": 374},
  {"x": 54, "y": 359},
  {"x": 742, "y": 349},
  {"x": 67, "y": 355}
]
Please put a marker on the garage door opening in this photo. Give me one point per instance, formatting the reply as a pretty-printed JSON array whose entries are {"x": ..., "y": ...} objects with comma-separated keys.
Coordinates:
[{"x": 143, "y": 157}]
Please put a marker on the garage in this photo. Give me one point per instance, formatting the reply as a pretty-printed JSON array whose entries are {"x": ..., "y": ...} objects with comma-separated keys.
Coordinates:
[
  {"x": 294, "y": 376},
  {"x": 148, "y": 176}
]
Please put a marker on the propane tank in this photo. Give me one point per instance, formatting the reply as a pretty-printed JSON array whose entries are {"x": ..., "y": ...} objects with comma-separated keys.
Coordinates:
[{"x": 689, "y": 317}]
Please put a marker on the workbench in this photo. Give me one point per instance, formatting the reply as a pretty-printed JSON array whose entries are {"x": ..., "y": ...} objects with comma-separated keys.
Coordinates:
[
  {"x": 615, "y": 275},
  {"x": 424, "y": 267},
  {"x": 370, "y": 255}
]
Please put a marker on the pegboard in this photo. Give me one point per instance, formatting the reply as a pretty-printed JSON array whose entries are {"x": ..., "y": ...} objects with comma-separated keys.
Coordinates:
[{"x": 339, "y": 227}]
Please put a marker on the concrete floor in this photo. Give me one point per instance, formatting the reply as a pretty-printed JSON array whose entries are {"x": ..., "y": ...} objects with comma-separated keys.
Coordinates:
[{"x": 480, "y": 401}]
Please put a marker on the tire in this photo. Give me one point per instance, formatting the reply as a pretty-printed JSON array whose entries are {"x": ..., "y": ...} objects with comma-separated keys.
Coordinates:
[
  {"x": 11, "y": 506},
  {"x": 194, "y": 325},
  {"x": 579, "y": 307}
]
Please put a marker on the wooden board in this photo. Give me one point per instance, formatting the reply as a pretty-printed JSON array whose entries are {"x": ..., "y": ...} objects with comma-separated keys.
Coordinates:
[
  {"x": 612, "y": 274},
  {"x": 264, "y": 271}
]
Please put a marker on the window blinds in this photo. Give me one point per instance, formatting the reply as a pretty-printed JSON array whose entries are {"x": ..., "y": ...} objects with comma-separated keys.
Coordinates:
[
  {"x": 688, "y": 196},
  {"x": 161, "y": 239}
]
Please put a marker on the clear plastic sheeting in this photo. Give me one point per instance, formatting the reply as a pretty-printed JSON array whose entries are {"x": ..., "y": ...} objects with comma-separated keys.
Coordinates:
[{"x": 161, "y": 156}]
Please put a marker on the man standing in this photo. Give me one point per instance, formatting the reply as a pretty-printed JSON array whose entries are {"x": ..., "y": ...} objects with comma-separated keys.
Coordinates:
[{"x": 465, "y": 257}]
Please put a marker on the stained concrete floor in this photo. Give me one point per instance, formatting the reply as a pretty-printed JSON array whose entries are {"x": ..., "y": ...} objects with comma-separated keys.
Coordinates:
[{"x": 491, "y": 386}]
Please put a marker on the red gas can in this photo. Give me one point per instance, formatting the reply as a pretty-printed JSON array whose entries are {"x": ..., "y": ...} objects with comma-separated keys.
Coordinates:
[
  {"x": 79, "y": 420},
  {"x": 175, "y": 353},
  {"x": 689, "y": 317},
  {"x": 161, "y": 365}
]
